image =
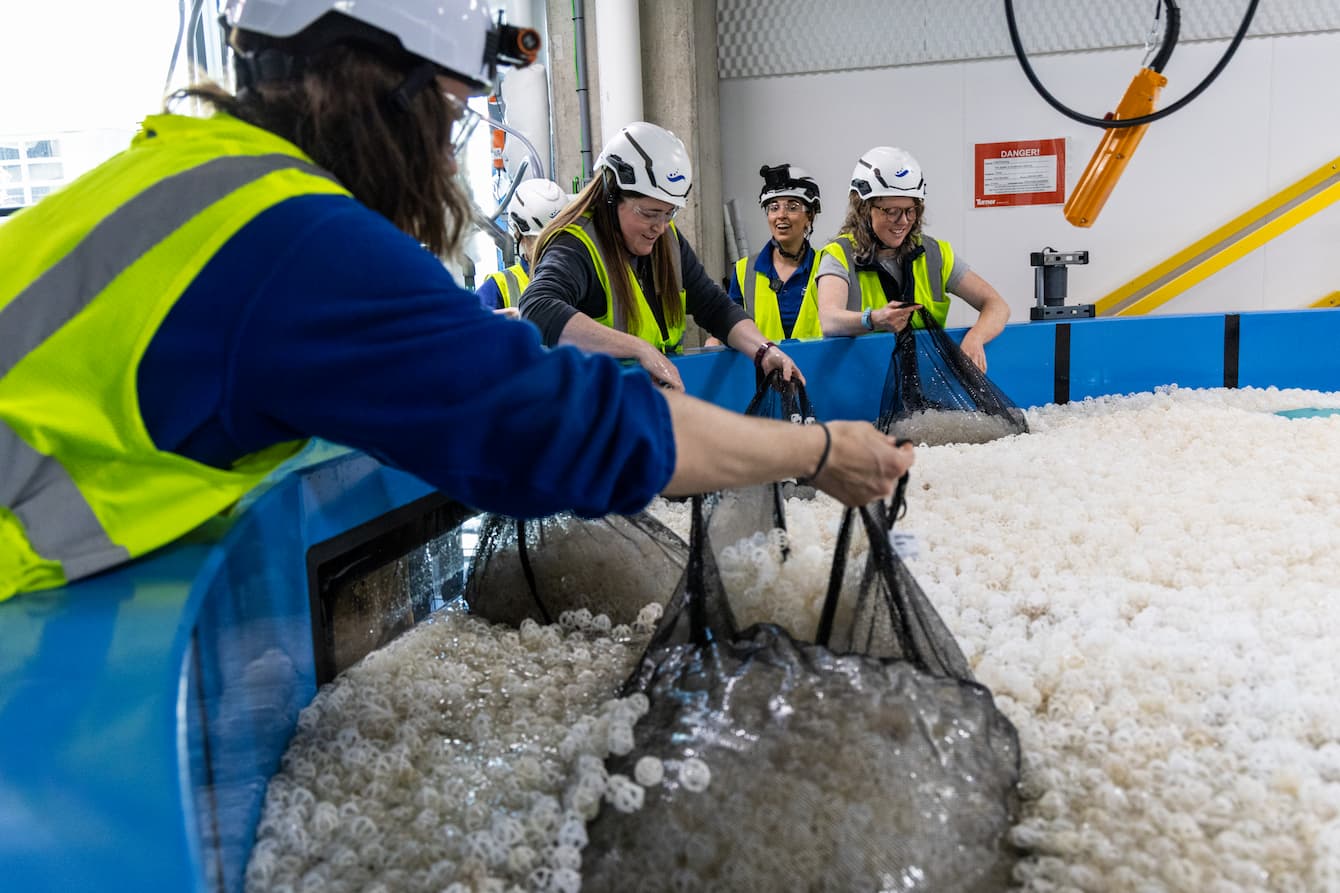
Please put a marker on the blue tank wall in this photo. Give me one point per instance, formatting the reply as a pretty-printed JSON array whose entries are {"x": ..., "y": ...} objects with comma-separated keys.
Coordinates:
[{"x": 143, "y": 711}]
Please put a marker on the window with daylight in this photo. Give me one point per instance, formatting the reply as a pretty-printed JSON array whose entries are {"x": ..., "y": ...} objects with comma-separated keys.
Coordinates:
[{"x": 29, "y": 169}]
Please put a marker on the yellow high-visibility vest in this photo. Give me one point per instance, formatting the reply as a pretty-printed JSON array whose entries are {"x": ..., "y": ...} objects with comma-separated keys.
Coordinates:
[
  {"x": 931, "y": 271},
  {"x": 644, "y": 325},
  {"x": 760, "y": 302},
  {"x": 511, "y": 282},
  {"x": 90, "y": 273}
]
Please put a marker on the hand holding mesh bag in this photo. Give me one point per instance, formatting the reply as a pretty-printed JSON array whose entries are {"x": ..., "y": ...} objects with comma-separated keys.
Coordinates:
[
  {"x": 933, "y": 394},
  {"x": 789, "y": 767}
]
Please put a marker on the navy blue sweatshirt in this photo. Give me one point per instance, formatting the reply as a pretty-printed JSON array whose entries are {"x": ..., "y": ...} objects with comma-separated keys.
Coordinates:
[{"x": 321, "y": 319}]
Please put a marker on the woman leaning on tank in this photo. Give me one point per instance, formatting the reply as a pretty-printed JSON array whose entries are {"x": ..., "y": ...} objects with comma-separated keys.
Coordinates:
[
  {"x": 895, "y": 264},
  {"x": 614, "y": 275}
]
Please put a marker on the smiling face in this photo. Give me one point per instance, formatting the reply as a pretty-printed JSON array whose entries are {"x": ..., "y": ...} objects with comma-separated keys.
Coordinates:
[
  {"x": 892, "y": 219},
  {"x": 788, "y": 220},
  {"x": 642, "y": 220}
]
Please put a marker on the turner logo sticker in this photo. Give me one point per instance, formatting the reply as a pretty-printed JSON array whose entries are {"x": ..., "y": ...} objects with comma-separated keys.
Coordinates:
[
  {"x": 901, "y": 173},
  {"x": 676, "y": 177}
]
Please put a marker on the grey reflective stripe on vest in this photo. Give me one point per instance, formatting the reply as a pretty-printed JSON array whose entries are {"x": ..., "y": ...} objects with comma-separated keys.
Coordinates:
[
  {"x": 58, "y": 520},
  {"x": 747, "y": 287},
  {"x": 853, "y": 280},
  {"x": 122, "y": 238},
  {"x": 934, "y": 267},
  {"x": 934, "y": 264},
  {"x": 59, "y": 523},
  {"x": 513, "y": 296}
]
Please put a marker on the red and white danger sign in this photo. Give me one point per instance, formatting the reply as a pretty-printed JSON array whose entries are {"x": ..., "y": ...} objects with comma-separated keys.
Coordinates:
[{"x": 1019, "y": 172}]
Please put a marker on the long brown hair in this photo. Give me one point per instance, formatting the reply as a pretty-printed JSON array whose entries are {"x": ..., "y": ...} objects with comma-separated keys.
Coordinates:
[
  {"x": 858, "y": 224},
  {"x": 397, "y": 161},
  {"x": 602, "y": 199}
]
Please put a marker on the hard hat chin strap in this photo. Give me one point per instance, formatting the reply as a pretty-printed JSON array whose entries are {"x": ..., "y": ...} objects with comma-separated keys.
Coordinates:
[
  {"x": 419, "y": 76},
  {"x": 265, "y": 66}
]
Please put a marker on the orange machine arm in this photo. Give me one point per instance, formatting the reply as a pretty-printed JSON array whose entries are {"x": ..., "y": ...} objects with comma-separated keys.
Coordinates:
[{"x": 1114, "y": 150}]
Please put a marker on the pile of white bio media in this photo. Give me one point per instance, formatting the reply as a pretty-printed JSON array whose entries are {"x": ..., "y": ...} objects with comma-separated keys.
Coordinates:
[
  {"x": 464, "y": 756},
  {"x": 1147, "y": 583}
]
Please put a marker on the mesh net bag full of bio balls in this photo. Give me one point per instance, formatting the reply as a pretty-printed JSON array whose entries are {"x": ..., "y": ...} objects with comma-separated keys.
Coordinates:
[
  {"x": 768, "y": 763},
  {"x": 538, "y": 569},
  {"x": 758, "y": 513},
  {"x": 933, "y": 394}
]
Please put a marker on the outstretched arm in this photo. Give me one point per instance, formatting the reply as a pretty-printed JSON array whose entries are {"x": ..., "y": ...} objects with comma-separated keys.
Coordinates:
[{"x": 716, "y": 448}]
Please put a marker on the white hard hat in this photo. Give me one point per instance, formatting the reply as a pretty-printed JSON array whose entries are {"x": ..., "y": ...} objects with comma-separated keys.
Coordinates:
[
  {"x": 534, "y": 204},
  {"x": 456, "y": 35},
  {"x": 885, "y": 170},
  {"x": 788, "y": 181},
  {"x": 649, "y": 160}
]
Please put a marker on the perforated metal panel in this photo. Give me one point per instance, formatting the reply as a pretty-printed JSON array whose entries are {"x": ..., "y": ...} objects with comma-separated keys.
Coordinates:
[{"x": 758, "y": 38}]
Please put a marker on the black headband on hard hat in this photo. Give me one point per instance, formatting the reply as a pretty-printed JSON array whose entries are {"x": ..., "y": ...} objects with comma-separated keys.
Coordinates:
[{"x": 778, "y": 178}]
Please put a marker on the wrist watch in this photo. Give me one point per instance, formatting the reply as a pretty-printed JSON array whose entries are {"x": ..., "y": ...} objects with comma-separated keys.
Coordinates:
[{"x": 867, "y": 321}]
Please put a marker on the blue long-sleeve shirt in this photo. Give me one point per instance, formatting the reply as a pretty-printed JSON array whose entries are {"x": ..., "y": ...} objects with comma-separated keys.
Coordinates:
[
  {"x": 490, "y": 296},
  {"x": 321, "y": 319}
]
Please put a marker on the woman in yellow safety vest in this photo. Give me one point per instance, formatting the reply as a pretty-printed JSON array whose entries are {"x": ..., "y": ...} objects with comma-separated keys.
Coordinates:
[
  {"x": 882, "y": 260},
  {"x": 614, "y": 275},
  {"x": 777, "y": 287},
  {"x": 534, "y": 203}
]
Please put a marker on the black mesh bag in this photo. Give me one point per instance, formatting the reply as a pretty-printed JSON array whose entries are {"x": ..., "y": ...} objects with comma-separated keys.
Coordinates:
[
  {"x": 788, "y": 766},
  {"x": 738, "y": 514},
  {"x": 538, "y": 569},
  {"x": 933, "y": 394}
]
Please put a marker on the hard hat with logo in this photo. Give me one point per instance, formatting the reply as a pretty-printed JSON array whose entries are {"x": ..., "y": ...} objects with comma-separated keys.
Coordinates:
[
  {"x": 649, "y": 160},
  {"x": 458, "y": 37},
  {"x": 534, "y": 204},
  {"x": 885, "y": 170},
  {"x": 788, "y": 181}
]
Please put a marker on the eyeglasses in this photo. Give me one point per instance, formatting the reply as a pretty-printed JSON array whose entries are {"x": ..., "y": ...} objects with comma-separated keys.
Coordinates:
[
  {"x": 895, "y": 215},
  {"x": 463, "y": 121},
  {"x": 790, "y": 207},
  {"x": 651, "y": 216}
]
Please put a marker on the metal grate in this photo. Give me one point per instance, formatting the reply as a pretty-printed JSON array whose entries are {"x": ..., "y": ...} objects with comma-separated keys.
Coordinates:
[{"x": 763, "y": 38}]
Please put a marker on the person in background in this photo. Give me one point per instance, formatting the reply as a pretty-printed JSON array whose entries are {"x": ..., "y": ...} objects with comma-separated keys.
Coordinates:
[
  {"x": 534, "y": 203},
  {"x": 882, "y": 262},
  {"x": 777, "y": 290},
  {"x": 613, "y": 274},
  {"x": 178, "y": 321}
]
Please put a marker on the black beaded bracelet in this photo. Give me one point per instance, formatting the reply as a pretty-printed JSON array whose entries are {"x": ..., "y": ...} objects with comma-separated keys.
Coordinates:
[
  {"x": 823, "y": 458},
  {"x": 762, "y": 352}
]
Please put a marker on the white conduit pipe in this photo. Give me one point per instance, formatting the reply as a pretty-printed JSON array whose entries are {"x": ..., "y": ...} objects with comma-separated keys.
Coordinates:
[{"x": 619, "y": 60}]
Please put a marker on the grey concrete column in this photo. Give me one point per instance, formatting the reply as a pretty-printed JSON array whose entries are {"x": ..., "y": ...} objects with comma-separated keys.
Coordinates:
[{"x": 680, "y": 92}]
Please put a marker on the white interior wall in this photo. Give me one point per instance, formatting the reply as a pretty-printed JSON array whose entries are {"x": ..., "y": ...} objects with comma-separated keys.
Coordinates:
[{"x": 1272, "y": 117}]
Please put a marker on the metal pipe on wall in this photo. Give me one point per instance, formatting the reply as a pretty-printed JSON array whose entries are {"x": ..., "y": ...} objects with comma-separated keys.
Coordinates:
[
  {"x": 583, "y": 88},
  {"x": 619, "y": 56}
]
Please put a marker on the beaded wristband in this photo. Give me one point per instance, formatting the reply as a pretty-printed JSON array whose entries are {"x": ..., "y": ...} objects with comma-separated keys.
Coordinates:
[
  {"x": 762, "y": 352},
  {"x": 823, "y": 458}
]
